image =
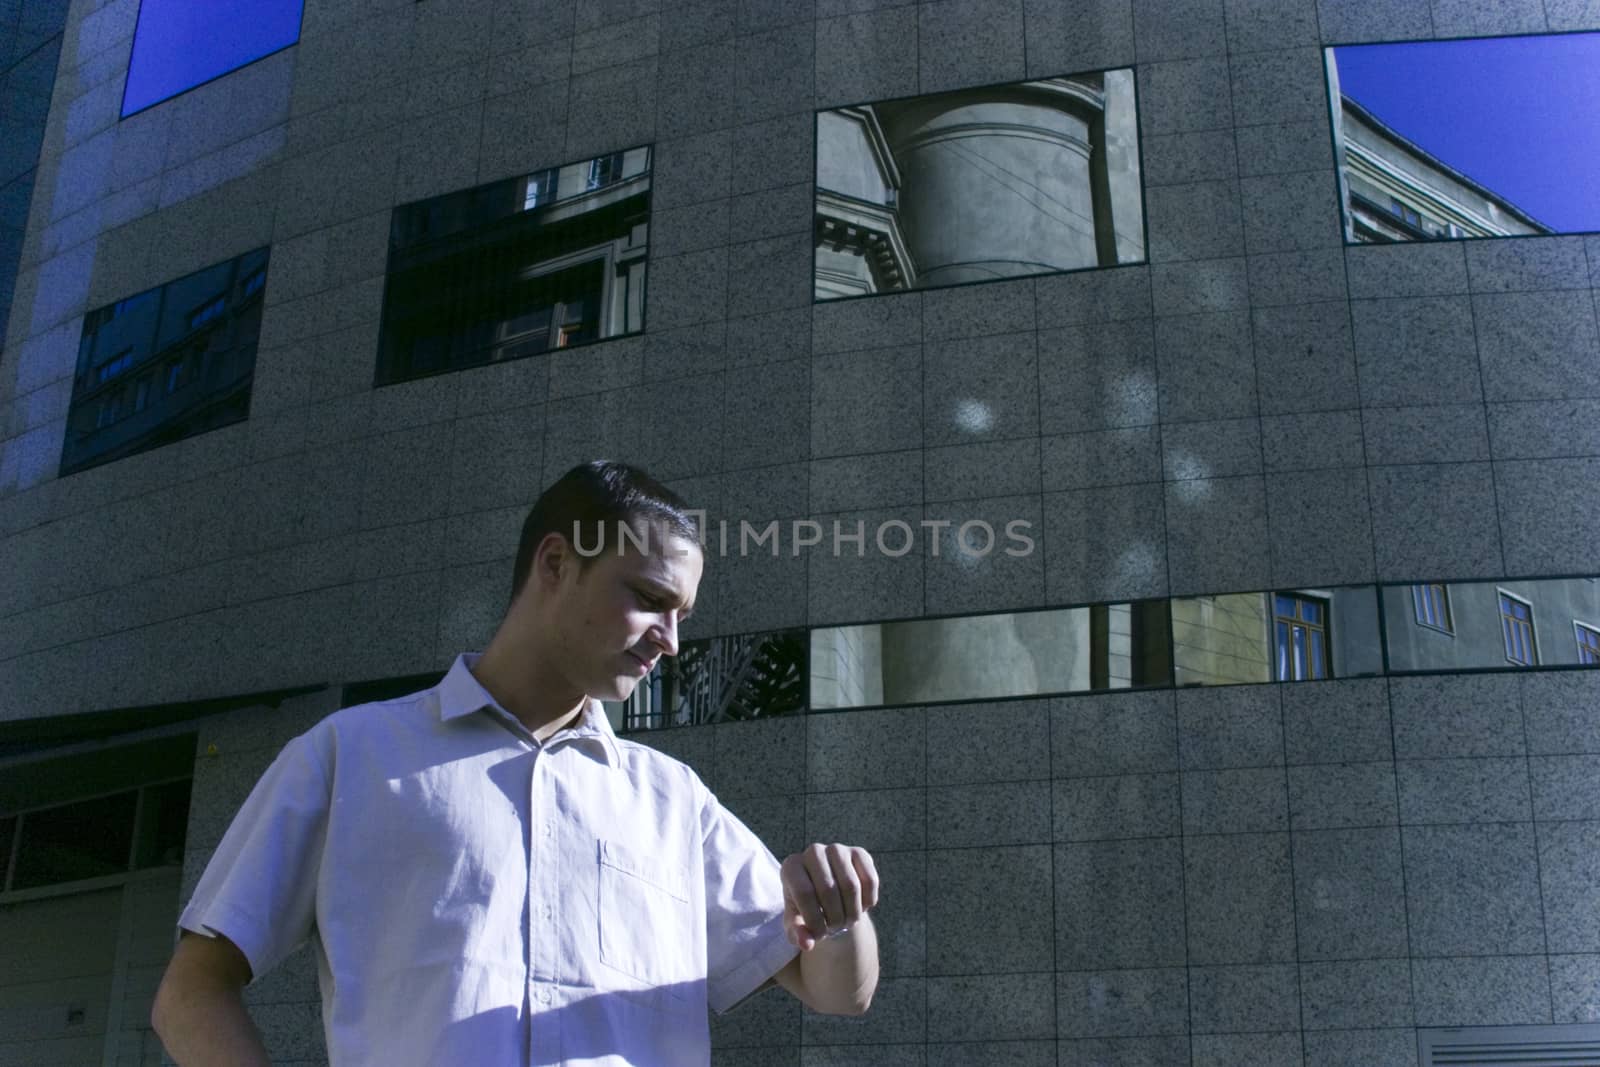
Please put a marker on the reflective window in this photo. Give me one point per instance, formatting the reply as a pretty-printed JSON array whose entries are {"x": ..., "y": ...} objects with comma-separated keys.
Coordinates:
[
  {"x": 1495, "y": 624},
  {"x": 995, "y": 182},
  {"x": 548, "y": 260},
  {"x": 980, "y": 657},
  {"x": 179, "y": 44},
  {"x": 1516, "y": 625},
  {"x": 84, "y": 840},
  {"x": 1432, "y": 604},
  {"x": 166, "y": 364},
  {"x": 1467, "y": 138},
  {"x": 1588, "y": 643},
  {"x": 1289, "y": 635},
  {"x": 723, "y": 679},
  {"x": 1300, "y": 637}
]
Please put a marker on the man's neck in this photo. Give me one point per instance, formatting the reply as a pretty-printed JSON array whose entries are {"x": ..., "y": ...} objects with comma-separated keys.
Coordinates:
[{"x": 518, "y": 684}]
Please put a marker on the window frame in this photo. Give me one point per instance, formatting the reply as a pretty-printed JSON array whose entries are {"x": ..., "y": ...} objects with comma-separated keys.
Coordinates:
[
  {"x": 1318, "y": 631},
  {"x": 1419, "y": 593},
  {"x": 1590, "y": 649},
  {"x": 1507, "y": 621}
]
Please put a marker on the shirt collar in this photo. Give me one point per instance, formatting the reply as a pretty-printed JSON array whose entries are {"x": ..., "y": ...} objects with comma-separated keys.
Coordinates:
[{"x": 460, "y": 693}]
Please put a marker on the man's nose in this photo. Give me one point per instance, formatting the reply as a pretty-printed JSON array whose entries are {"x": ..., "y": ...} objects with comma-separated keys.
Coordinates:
[{"x": 666, "y": 633}]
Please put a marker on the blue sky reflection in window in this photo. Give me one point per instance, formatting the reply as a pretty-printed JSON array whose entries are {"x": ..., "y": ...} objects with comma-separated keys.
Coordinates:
[{"x": 180, "y": 44}]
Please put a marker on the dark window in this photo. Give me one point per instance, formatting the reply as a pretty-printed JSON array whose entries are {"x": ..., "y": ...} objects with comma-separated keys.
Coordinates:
[
  {"x": 8, "y": 836},
  {"x": 478, "y": 277},
  {"x": 724, "y": 679},
  {"x": 166, "y": 364},
  {"x": 179, "y": 44},
  {"x": 163, "y": 818},
  {"x": 1588, "y": 643},
  {"x": 1432, "y": 603},
  {"x": 1300, "y": 629},
  {"x": 88, "y": 839},
  {"x": 1516, "y": 624}
]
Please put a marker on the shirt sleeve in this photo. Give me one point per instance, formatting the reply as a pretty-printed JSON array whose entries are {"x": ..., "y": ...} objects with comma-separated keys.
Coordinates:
[
  {"x": 259, "y": 889},
  {"x": 745, "y": 942}
]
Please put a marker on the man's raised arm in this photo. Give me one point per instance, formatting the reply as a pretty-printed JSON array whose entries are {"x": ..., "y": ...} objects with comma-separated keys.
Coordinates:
[{"x": 199, "y": 1009}]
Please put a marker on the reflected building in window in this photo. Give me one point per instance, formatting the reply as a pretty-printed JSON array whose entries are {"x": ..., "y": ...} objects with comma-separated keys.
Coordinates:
[
  {"x": 1285, "y": 635},
  {"x": 1493, "y": 625},
  {"x": 997, "y": 182}
]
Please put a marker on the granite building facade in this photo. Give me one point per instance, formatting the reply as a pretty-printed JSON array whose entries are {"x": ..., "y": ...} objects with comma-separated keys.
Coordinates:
[{"x": 1278, "y": 873}]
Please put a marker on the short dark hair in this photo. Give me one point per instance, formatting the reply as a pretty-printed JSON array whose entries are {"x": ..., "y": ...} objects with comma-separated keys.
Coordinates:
[{"x": 591, "y": 499}]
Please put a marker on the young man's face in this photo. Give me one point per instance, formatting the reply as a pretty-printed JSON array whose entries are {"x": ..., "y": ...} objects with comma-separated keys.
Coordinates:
[{"x": 620, "y": 615}]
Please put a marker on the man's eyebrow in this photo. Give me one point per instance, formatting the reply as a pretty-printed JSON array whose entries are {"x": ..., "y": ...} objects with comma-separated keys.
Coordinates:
[{"x": 666, "y": 592}]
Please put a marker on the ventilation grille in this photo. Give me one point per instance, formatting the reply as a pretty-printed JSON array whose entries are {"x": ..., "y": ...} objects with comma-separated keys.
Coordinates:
[{"x": 1511, "y": 1046}]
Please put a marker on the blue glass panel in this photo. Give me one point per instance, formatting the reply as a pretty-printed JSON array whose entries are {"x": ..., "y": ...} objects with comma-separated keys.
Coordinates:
[{"x": 180, "y": 44}]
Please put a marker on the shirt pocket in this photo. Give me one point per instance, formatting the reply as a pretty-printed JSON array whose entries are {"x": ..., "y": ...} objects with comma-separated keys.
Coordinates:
[{"x": 645, "y": 920}]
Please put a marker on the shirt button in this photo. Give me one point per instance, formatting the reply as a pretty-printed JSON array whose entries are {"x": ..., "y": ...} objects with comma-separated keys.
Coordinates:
[
  {"x": 549, "y": 829},
  {"x": 549, "y": 912},
  {"x": 544, "y": 996}
]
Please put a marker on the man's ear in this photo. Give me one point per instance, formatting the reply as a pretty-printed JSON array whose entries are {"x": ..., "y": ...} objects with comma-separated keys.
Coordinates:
[{"x": 551, "y": 560}]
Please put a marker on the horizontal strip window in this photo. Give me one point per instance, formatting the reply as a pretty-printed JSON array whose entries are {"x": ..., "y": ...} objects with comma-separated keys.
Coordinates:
[
  {"x": 1283, "y": 635},
  {"x": 97, "y": 837}
]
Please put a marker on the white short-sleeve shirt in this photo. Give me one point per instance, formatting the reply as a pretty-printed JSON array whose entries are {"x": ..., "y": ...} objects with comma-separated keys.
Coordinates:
[{"x": 479, "y": 898}]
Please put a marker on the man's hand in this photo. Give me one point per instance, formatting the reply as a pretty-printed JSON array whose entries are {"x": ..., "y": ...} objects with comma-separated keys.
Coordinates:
[{"x": 826, "y": 889}]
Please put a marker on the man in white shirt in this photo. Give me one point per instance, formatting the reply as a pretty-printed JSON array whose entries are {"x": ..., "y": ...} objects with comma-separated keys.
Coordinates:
[{"x": 491, "y": 876}]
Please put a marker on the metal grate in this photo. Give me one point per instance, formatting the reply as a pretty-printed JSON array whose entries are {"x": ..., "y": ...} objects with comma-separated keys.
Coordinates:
[{"x": 1511, "y": 1046}]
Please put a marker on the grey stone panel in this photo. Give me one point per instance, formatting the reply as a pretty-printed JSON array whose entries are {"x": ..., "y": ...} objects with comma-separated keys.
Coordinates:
[
  {"x": 975, "y": 885},
  {"x": 1101, "y": 458},
  {"x": 1258, "y": 998},
  {"x": 876, "y": 322},
  {"x": 1379, "y": 272},
  {"x": 762, "y": 421},
  {"x": 775, "y": 72},
  {"x": 1473, "y": 890},
  {"x": 1116, "y": 807},
  {"x": 393, "y": 626},
  {"x": 991, "y": 1007},
  {"x": 1483, "y": 789},
  {"x": 901, "y": 917},
  {"x": 407, "y": 476},
  {"x": 1509, "y": 266},
  {"x": 867, "y": 401},
  {"x": 1312, "y": 277},
  {"x": 1533, "y": 345},
  {"x": 769, "y": 275},
  {"x": 769, "y": 338},
  {"x": 1569, "y": 876},
  {"x": 772, "y": 1015},
  {"x": 1437, "y": 718},
  {"x": 983, "y": 388},
  {"x": 1182, "y": 158},
  {"x": 774, "y": 153},
  {"x": 1321, "y": 528},
  {"x": 771, "y": 212},
  {"x": 1214, "y": 528},
  {"x": 969, "y": 42},
  {"x": 1000, "y": 1053},
  {"x": 1104, "y": 1004},
  {"x": 865, "y": 750},
  {"x": 1285, "y": 148},
  {"x": 1565, "y": 787},
  {"x": 976, "y": 563},
  {"x": 1097, "y": 377},
  {"x": 496, "y": 460},
  {"x": 1102, "y": 544},
  {"x": 757, "y": 758},
  {"x": 1125, "y": 1052},
  {"x": 686, "y": 350},
  {"x": 1339, "y": 796},
  {"x": 1572, "y": 14},
  {"x": 1544, "y": 429},
  {"x": 1462, "y": 18},
  {"x": 691, "y": 169},
  {"x": 1132, "y": 733},
  {"x": 1290, "y": 212},
  {"x": 1280, "y": 85},
  {"x": 1206, "y": 367},
  {"x": 1119, "y": 904},
  {"x": 1550, "y": 515},
  {"x": 699, "y": 22},
  {"x": 999, "y": 813},
  {"x": 963, "y": 472},
  {"x": 1436, "y": 519},
  {"x": 780, "y": 823},
  {"x": 1337, "y": 722},
  {"x": 1192, "y": 288},
  {"x": 856, "y": 1056},
  {"x": 617, "y": 45},
  {"x": 1229, "y": 727},
  {"x": 779, "y": 490},
  {"x": 308, "y": 200},
  {"x": 867, "y": 56},
  {"x": 688, "y": 289},
  {"x": 1247, "y": 1050},
  {"x": 1356, "y": 994},
  {"x": 899, "y": 1014},
  {"x": 1573, "y": 981},
  {"x": 692, "y": 90},
  {"x": 580, "y": 428},
  {"x": 1092, "y": 296},
  {"x": 1219, "y": 449},
  {"x": 1444, "y": 433},
  {"x": 1316, "y": 440},
  {"x": 1238, "y": 898},
  {"x": 693, "y": 746},
  {"x": 1352, "y": 21},
  {"x": 1200, "y": 220},
  {"x": 1259, "y": 25},
  {"x": 882, "y": 478},
  {"x": 1002, "y": 307},
  {"x": 692, "y": 228},
  {"x": 1178, "y": 30},
  {"x": 879, "y": 820},
  {"x": 1252, "y": 800},
  {"x": 1082, "y": 35},
  {"x": 1350, "y": 894},
  {"x": 1184, "y": 95},
  {"x": 999, "y": 742},
  {"x": 611, "y": 109},
  {"x": 1481, "y": 991},
  {"x": 1361, "y": 1048},
  {"x": 1562, "y": 712},
  {"x": 876, "y": 582}
]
